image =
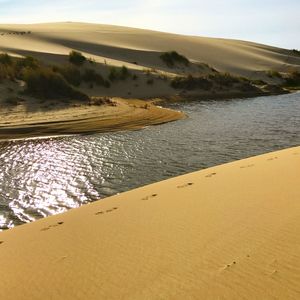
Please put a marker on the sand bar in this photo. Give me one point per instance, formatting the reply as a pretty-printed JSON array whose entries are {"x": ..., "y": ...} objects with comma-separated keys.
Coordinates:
[
  {"x": 227, "y": 232},
  {"x": 83, "y": 119}
]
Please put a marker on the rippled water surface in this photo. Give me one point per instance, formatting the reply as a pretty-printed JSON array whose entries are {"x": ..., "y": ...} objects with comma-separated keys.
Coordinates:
[{"x": 43, "y": 177}]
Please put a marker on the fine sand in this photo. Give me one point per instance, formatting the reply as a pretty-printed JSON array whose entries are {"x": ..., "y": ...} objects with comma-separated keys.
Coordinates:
[
  {"x": 20, "y": 122},
  {"x": 227, "y": 232},
  {"x": 138, "y": 48}
]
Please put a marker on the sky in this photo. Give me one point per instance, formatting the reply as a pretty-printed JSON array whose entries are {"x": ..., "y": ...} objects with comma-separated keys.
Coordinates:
[{"x": 273, "y": 22}]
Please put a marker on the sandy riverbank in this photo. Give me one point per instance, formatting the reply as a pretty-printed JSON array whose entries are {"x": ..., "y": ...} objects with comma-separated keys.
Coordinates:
[
  {"x": 227, "y": 232},
  {"x": 21, "y": 122}
]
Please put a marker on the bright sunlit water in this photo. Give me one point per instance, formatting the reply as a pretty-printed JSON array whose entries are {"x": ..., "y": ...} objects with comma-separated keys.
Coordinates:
[{"x": 44, "y": 177}]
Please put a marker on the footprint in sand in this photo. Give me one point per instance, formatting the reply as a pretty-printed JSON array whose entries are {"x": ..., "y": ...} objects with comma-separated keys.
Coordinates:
[
  {"x": 210, "y": 175},
  {"x": 229, "y": 265},
  {"x": 149, "y": 197},
  {"x": 46, "y": 228},
  {"x": 1, "y": 242},
  {"x": 296, "y": 153},
  {"x": 185, "y": 185},
  {"x": 108, "y": 210},
  {"x": 272, "y": 158},
  {"x": 248, "y": 166},
  {"x": 51, "y": 226}
]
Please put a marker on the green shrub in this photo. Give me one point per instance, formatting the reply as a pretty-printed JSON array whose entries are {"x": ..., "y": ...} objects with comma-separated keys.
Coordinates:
[
  {"x": 296, "y": 52},
  {"x": 150, "y": 81},
  {"x": 91, "y": 60},
  {"x": 257, "y": 82},
  {"x": 273, "y": 74},
  {"x": 224, "y": 79},
  {"x": 7, "y": 72},
  {"x": 124, "y": 73},
  {"x": 27, "y": 62},
  {"x": 92, "y": 76},
  {"x": 293, "y": 80},
  {"x": 70, "y": 73},
  {"x": 76, "y": 58},
  {"x": 172, "y": 57},
  {"x": 118, "y": 73},
  {"x": 13, "y": 101},
  {"x": 46, "y": 84},
  {"x": 5, "y": 59},
  {"x": 191, "y": 83}
]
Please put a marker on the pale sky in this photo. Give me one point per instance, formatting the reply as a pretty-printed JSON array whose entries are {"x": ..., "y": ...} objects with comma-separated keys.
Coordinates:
[{"x": 274, "y": 22}]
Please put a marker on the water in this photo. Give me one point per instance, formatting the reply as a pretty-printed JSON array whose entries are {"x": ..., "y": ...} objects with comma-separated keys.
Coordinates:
[{"x": 44, "y": 177}]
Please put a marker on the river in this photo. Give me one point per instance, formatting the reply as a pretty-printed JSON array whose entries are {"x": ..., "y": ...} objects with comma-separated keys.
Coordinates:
[{"x": 41, "y": 177}]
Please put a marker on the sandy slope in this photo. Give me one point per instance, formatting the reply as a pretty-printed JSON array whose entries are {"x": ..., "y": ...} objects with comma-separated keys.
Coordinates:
[
  {"x": 121, "y": 44},
  {"x": 228, "y": 232}
]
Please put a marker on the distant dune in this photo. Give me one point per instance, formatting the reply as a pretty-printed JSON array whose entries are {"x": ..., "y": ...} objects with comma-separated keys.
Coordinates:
[
  {"x": 138, "y": 48},
  {"x": 197, "y": 70}
]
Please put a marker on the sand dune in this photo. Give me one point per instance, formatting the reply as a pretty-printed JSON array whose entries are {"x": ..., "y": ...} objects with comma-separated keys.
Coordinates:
[
  {"x": 228, "y": 232},
  {"x": 119, "y": 45}
]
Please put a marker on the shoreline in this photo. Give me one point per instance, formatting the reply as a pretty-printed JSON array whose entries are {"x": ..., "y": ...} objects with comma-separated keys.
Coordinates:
[
  {"x": 227, "y": 230},
  {"x": 126, "y": 114}
]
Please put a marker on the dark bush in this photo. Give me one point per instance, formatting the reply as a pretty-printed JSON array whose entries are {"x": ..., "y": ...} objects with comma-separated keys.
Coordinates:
[
  {"x": 224, "y": 79},
  {"x": 92, "y": 76},
  {"x": 296, "y": 52},
  {"x": 76, "y": 58},
  {"x": 257, "y": 82},
  {"x": 191, "y": 83},
  {"x": 5, "y": 59},
  {"x": 27, "y": 62},
  {"x": 46, "y": 84},
  {"x": 293, "y": 80},
  {"x": 70, "y": 73},
  {"x": 273, "y": 74},
  {"x": 171, "y": 58},
  {"x": 7, "y": 72},
  {"x": 150, "y": 81},
  {"x": 118, "y": 73}
]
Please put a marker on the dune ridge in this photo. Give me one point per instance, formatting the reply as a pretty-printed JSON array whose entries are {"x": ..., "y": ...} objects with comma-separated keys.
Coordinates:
[
  {"x": 119, "y": 45},
  {"x": 227, "y": 232},
  {"x": 148, "y": 76}
]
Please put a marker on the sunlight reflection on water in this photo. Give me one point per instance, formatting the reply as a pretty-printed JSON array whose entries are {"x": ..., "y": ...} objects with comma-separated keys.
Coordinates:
[{"x": 44, "y": 177}]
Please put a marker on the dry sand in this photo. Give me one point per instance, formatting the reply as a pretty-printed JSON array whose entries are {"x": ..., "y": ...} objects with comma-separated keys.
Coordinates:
[
  {"x": 138, "y": 48},
  {"x": 32, "y": 120},
  {"x": 227, "y": 232}
]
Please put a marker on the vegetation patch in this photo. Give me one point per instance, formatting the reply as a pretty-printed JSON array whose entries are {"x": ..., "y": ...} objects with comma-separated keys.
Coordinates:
[
  {"x": 293, "y": 80},
  {"x": 273, "y": 74},
  {"x": 172, "y": 58},
  {"x": 118, "y": 73},
  {"x": 91, "y": 76},
  {"x": 150, "y": 81},
  {"x": 76, "y": 58},
  {"x": 5, "y": 59},
  {"x": 296, "y": 52},
  {"x": 44, "y": 83},
  {"x": 70, "y": 72},
  {"x": 191, "y": 83},
  {"x": 225, "y": 79}
]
